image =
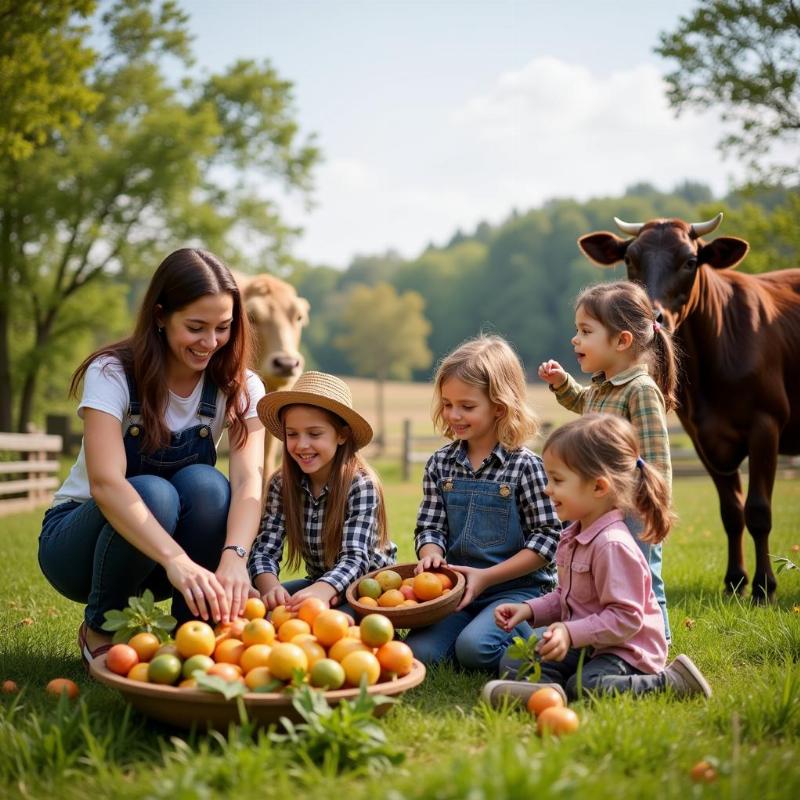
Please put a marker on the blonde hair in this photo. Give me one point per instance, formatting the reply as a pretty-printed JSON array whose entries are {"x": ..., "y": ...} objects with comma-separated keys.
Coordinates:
[
  {"x": 624, "y": 306},
  {"x": 490, "y": 363},
  {"x": 605, "y": 445},
  {"x": 346, "y": 464}
]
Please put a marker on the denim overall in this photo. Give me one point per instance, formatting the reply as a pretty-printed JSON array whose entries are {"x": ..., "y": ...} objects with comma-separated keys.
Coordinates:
[
  {"x": 484, "y": 530},
  {"x": 86, "y": 560}
]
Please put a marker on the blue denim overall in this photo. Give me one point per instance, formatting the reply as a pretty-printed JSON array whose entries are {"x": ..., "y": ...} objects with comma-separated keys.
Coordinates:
[
  {"x": 484, "y": 530},
  {"x": 86, "y": 560}
]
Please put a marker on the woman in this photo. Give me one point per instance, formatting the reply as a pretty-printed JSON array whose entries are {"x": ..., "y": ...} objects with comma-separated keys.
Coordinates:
[{"x": 143, "y": 506}]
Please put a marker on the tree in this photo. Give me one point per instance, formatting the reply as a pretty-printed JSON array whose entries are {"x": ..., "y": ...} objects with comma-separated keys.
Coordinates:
[
  {"x": 385, "y": 335},
  {"x": 155, "y": 164},
  {"x": 741, "y": 57}
]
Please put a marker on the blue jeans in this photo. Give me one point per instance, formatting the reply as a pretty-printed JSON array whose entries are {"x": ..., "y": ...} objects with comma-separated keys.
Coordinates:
[
  {"x": 303, "y": 583},
  {"x": 652, "y": 554},
  {"x": 470, "y": 636},
  {"x": 86, "y": 560}
]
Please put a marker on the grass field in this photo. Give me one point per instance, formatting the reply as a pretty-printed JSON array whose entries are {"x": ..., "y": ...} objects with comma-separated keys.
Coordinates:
[{"x": 453, "y": 746}]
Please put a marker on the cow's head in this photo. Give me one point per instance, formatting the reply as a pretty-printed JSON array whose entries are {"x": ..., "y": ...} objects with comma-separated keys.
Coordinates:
[
  {"x": 277, "y": 315},
  {"x": 665, "y": 256}
]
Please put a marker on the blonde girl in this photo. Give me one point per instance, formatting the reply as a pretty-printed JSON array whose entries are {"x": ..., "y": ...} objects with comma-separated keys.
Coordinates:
[
  {"x": 633, "y": 365},
  {"x": 604, "y": 601},
  {"x": 484, "y": 510},
  {"x": 325, "y": 502}
]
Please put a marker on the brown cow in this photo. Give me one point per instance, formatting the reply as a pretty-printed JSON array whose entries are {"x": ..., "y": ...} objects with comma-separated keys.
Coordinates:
[
  {"x": 277, "y": 316},
  {"x": 740, "y": 388}
]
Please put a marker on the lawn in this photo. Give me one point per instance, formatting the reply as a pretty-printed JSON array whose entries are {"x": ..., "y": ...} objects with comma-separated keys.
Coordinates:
[{"x": 453, "y": 746}]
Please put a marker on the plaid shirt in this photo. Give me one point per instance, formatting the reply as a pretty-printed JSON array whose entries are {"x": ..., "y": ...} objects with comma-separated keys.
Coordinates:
[
  {"x": 359, "y": 553},
  {"x": 632, "y": 394},
  {"x": 520, "y": 468}
]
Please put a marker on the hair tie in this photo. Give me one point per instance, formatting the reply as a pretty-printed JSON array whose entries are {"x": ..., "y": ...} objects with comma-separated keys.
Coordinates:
[
  {"x": 656, "y": 326},
  {"x": 639, "y": 462}
]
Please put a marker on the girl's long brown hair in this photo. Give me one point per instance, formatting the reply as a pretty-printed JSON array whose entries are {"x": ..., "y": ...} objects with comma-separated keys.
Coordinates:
[
  {"x": 605, "y": 445},
  {"x": 181, "y": 278},
  {"x": 624, "y": 306},
  {"x": 347, "y": 463}
]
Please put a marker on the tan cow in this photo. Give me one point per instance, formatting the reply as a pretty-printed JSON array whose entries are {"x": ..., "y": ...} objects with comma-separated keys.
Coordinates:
[{"x": 277, "y": 315}]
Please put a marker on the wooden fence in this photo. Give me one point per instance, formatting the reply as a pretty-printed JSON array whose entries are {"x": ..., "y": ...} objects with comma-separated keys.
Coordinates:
[{"x": 28, "y": 470}]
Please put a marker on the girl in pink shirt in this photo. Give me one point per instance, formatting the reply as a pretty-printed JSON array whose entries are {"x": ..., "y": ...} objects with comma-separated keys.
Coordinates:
[{"x": 604, "y": 601}]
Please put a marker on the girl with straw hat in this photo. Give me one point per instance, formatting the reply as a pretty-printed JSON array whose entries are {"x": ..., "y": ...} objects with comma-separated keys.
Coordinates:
[{"x": 325, "y": 500}]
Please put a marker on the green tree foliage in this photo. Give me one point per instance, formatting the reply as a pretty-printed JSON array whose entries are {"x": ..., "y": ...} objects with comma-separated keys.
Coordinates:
[
  {"x": 385, "y": 337},
  {"x": 158, "y": 162},
  {"x": 742, "y": 58}
]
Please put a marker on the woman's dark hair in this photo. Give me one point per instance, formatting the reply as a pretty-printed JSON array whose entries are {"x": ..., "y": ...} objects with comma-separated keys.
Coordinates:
[{"x": 181, "y": 278}]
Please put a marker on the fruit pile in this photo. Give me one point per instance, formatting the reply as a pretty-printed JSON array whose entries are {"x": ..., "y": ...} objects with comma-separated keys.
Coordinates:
[
  {"x": 552, "y": 716},
  {"x": 389, "y": 590},
  {"x": 316, "y": 644}
]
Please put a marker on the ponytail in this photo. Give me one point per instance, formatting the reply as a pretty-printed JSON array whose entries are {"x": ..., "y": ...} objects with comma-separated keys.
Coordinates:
[
  {"x": 665, "y": 365},
  {"x": 651, "y": 499}
]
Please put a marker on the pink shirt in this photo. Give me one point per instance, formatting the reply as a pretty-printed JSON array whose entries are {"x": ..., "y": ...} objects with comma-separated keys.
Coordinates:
[{"x": 605, "y": 596}]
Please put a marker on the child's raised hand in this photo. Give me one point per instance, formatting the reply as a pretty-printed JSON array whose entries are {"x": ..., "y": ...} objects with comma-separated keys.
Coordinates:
[
  {"x": 552, "y": 372},
  {"x": 555, "y": 643},
  {"x": 508, "y": 615}
]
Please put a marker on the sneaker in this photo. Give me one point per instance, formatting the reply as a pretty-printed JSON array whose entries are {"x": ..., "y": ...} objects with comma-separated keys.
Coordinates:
[
  {"x": 498, "y": 693},
  {"x": 685, "y": 679}
]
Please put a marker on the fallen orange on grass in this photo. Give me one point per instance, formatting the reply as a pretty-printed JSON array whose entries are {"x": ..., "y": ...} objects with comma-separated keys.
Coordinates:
[
  {"x": 544, "y": 698},
  {"x": 59, "y": 686},
  {"x": 557, "y": 720}
]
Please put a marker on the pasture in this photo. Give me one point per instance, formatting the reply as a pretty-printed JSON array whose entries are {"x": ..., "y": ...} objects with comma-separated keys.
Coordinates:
[{"x": 453, "y": 746}]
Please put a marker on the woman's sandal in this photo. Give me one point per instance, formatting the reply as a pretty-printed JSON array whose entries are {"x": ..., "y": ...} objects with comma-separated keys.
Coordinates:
[{"x": 87, "y": 654}]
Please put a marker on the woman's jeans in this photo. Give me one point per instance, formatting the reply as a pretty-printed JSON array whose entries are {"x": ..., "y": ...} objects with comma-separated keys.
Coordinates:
[{"x": 86, "y": 560}]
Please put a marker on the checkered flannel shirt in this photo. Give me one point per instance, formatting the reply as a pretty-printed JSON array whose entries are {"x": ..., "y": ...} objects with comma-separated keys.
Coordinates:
[
  {"x": 359, "y": 553},
  {"x": 632, "y": 394},
  {"x": 521, "y": 468}
]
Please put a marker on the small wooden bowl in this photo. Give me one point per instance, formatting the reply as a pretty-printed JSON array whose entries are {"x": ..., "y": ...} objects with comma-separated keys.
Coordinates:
[
  {"x": 426, "y": 613},
  {"x": 186, "y": 707}
]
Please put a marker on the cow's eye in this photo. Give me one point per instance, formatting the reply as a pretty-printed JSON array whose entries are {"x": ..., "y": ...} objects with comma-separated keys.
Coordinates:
[{"x": 691, "y": 264}]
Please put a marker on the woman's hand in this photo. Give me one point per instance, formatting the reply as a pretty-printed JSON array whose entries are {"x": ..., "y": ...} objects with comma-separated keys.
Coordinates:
[
  {"x": 275, "y": 596},
  {"x": 508, "y": 615},
  {"x": 552, "y": 372},
  {"x": 200, "y": 588},
  {"x": 235, "y": 580},
  {"x": 556, "y": 642},
  {"x": 321, "y": 590},
  {"x": 476, "y": 583},
  {"x": 430, "y": 557}
]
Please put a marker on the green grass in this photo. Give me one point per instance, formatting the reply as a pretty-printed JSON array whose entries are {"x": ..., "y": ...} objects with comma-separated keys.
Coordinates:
[{"x": 454, "y": 747}]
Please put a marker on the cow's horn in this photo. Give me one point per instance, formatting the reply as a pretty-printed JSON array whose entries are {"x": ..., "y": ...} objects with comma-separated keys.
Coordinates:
[
  {"x": 702, "y": 228},
  {"x": 631, "y": 228}
]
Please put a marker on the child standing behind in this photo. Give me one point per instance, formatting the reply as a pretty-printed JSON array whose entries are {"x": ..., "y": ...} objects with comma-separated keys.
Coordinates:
[
  {"x": 484, "y": 510},
  {"x": 619, "y": 341},
  {"x": 604, "y": 600},
  {"x": 325, "y": 500}
]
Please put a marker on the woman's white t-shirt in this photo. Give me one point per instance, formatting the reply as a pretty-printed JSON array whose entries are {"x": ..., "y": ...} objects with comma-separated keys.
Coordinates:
[{"x": 105, "y": 389}]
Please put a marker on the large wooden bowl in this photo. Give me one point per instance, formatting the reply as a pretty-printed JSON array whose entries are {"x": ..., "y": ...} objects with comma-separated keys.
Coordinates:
[
  {"x": 412, "y": 616},
  {"x": 186, "y": 707}
]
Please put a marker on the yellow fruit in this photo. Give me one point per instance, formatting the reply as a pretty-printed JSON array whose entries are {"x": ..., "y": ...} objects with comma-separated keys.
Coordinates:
[
  {"x": 345, "y": 645},
  {"x": 368, "y": 601},
  {"x": 361, "y": 663},
  {"x": 391, "y": 598},
  {"x": 257, "y": 655},
  {"x": 310, "y": 608},
  {"x": 195, "y": 638},
  {"x": 257, "y": 677},
  {"x": 376, "y": 630},
  {"x": 254, "y": 608},
  {"x": 139, "y": 672},
  {"x": 330, "y": 626},
  {"x": 389, "y": 579},
  {"x": 258, "y": 631},
  {"x": 314, "y": 650},
  {"x": 145, "y": 644},
  {"x": 229, "y": 651},
  {"x": 292, "y": 628},
  {"x": 285, "y": 658},
  {"x": 280, "y": 614}
]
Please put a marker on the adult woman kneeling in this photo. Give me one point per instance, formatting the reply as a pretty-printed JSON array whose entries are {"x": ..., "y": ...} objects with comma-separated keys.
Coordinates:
[{"x": 144, "y": 506}]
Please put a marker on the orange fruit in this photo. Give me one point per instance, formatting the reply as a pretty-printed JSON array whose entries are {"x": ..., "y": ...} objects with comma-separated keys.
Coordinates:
[
  {"x": 188, "y": 683},
  {"x": 376, "y": 630},
  {"x": 391, "y": 598},
  {"x": 258, "y": 631},
  {"x": 195, "y": 663},
  {"x": 257, "y": 655},
  {"x": 314, "y": 650},
  {"x": 10, "y": 687},
  {"x": 408, "y": 592},
  {"x": 257, "y": 677},
  {"x": 139, "y": 672},
  {"x": 279, "y": 615},
  {"x": 59, "y": 686},
  {"x": 164, "y": 669},
  {"x": 345, "y": 645},
  {"x": 544, "y": 698},
  {"x": 330, "y": 626},
  {"x": 361, "y": 663},
  {"x": 395, "y": 658},
  {"x": 145, "y": 644},
  {"x": 168, "y": 648},
  {"x": 254, "y": 608},
  {"x": 408, "y": 603},
  {"x": 228, "y": 672},
  {"x": 557, "y": 720},
  {"x": 407, "y": 581},
  {"x": 121, "y": 659},
  {"x": 195, "y": 637},
  {"x": 310, "y": 608},
  {"x": 285, "y": 658},
  {"x": 389, "y": 579},
  {"x": 369, "y": 587},
  {"x": 230, "y": 630},
  {"x": 703, "y": 772},
  {"x": 292, "y": 628},
  {"x": 229, "y": 651},
  {"x": 327, "y": 674},
  {"x": 368, "y": 601},
  {"x": 427, "y": 586},
  {"x": 354, "y": 632},
  {"x": 444, "y": 580}
]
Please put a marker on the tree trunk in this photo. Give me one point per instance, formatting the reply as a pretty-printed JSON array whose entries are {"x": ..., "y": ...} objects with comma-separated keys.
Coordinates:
[
  {"x": 380, "y": 437},
  {"x": 32, "y": 374},
  {"x": 5, "y": 299}
]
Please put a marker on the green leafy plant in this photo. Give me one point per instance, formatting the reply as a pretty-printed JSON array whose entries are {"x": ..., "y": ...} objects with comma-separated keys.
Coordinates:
[
  {"x": 343, "y": 738},
  {"x": 213, "y": 683},
  {"x": 141, "y": 615},
  {"x": 524, "y": 651},
  {"x": 782, "y": 563}
]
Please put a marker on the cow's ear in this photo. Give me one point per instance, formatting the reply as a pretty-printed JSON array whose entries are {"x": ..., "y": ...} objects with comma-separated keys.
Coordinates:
[
  {"x": 603, "y": 248},
  {"x": 723, "y": 253}
]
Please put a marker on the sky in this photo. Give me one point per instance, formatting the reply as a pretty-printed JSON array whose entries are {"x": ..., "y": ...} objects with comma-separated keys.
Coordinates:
[{"x": 433, "y": 115}]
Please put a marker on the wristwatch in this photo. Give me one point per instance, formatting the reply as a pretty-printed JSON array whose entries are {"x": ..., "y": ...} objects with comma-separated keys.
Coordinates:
[{"x": 237, "y": 548}]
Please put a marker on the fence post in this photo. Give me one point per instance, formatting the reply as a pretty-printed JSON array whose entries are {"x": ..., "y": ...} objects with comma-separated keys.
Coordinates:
[{"x": 405, "y": 464}]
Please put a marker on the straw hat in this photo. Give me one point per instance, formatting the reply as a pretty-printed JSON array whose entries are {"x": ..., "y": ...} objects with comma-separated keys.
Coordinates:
[{"x": 315, "y": 389}]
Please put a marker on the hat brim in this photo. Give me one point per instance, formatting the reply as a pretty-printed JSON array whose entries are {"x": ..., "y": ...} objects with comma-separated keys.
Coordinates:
[{"x": 270, "y": 406}]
